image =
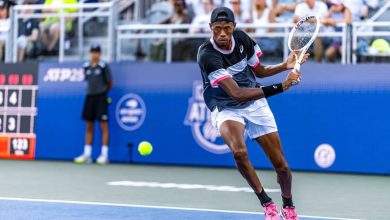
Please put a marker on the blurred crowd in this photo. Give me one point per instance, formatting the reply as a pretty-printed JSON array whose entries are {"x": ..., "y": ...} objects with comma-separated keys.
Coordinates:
[
  {"x": 330, "y": 12},
  {"x": 39, "y": 37},
  {"x": 36, "y": 37}
]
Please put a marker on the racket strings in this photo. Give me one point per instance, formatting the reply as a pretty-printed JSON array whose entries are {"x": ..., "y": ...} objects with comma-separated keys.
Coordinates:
[{"x": 303, "y": 34}]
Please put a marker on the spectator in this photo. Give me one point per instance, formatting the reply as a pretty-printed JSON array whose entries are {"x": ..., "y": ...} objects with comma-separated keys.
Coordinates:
[
  {"x": 197, "y": 8},
  {"x": 5, "y": 25},
  {"x": 312, "y": 7},
  {"x": 203, "y": 19},
  {"x": 283, "y": 10},
  {"x": 180, "y": 15},
  {"x": 337, "y": 13},
  {"x": 360, "y": 8},
  {"x": 240, "y": 13},
  {"x": 27, "y": 34},
  {"x": 180, "y": 46},
  {"x": 245, "y": 6},
  {"x": 50, "y": 27},
  {"x": 261, "y": 14},
  {"x": 200, "y": 24}
]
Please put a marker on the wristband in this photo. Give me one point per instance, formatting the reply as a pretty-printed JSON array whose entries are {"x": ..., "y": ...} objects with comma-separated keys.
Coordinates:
[{"x": 272, "y": 90}]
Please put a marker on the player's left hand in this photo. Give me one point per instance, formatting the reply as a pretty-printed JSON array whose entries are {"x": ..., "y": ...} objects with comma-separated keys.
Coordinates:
[
  {"x": 293, "y": 56},
  {"x": 293, "y": 78}
]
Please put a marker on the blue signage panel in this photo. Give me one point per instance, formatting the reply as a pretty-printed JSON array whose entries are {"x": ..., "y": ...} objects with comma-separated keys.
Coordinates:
[{"x": 335, "y": 120}]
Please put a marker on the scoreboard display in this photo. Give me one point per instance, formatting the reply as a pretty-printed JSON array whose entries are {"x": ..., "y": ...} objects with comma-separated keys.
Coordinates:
[{"x": 18, "y": 92}]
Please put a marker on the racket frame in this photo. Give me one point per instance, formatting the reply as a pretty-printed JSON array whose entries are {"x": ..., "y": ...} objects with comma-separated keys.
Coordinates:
[{"x": 303, "y": 50}]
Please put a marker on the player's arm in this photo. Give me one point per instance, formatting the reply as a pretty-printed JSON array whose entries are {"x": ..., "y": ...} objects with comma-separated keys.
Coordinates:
[
  {"x": 108, "y": 77},
  {"x": 270, "y": 70},
  {"x": 248, "y": 94},
  {"x": 109, "y": 85},
  {"x": 254, "y": 54},
  {"x": 85, "y": 67}
]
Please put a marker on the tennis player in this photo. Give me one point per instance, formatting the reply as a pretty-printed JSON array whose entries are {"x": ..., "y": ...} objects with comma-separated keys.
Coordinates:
[
  {"x": 229, "y": 63},
  {"x": 98, "y": 75}
]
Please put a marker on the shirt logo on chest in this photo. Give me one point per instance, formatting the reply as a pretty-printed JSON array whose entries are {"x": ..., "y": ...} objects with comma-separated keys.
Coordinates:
[{"x": 97, "y": 72}]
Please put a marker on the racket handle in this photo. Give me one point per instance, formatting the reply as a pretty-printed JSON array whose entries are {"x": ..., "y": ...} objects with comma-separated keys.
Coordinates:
[
  {"x": 294, "y": 82},
  {"x": 295, "y": 70},
  {"x": 297, "y": 67}
]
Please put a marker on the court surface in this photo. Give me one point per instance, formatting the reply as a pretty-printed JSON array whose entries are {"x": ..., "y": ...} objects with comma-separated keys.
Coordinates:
[{"x": 63, "y": 190}]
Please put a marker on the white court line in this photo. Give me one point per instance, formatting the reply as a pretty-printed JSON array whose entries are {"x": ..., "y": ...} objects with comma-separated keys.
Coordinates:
[
  {"x": 185, "y": 186},
  {"x": 154, "y": 207}
]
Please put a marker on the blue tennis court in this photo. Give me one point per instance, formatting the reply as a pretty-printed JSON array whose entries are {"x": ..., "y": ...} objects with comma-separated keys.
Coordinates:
[
  {"x": 36, "y": 190},
  {"x": 39, "y": 209}
]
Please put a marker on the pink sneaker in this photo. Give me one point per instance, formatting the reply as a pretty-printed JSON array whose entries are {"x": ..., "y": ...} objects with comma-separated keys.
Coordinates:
[
  {"x": 271, "y": 212},
  {"x": 289, "y": 213}
]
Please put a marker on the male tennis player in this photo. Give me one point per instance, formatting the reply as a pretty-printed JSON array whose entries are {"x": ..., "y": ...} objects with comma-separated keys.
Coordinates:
[
  {"x": 98, "y": 75},
  {"x": 229, "y": 63}
]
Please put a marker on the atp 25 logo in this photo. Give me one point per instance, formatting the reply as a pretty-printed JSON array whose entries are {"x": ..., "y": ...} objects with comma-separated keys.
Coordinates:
[{"x": 198, "y": 117}]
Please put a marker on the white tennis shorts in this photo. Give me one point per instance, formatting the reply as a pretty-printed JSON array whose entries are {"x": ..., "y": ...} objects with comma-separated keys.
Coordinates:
[{"x": 257, "y": 118}]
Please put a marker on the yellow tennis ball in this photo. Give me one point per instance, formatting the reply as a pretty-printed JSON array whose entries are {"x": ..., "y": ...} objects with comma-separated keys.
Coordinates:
[
  {"x": 381, "y": 44},
  {"x": 145, "y": 148}
]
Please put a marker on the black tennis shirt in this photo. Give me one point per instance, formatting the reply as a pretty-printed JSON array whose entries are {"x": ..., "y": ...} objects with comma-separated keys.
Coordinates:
[
  {"x": 97, "y": 77},
  {"x": 238, "y": 63}
]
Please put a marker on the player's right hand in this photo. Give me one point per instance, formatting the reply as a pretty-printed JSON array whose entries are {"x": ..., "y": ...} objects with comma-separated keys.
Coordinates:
[{"x": 293, "y": 78}]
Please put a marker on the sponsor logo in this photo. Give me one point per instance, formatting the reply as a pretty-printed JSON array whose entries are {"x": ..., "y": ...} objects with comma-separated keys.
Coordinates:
[
  {"x": 199, "y": 118},
  {"x": 130, "y": 112},
  {"x": 241, "y": 48},
  {"x": 64, "y": 74},
  {"x": 324, "y": 155}
]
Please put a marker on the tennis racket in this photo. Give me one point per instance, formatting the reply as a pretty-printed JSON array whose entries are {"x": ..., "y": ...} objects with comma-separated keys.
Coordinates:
[{"x": 301, "y": 38}]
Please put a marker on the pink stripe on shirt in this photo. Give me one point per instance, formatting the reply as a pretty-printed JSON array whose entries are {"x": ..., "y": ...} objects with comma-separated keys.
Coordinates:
[
  {"x": 213, "y": 84},
  {"x": 256, "y": 64}
]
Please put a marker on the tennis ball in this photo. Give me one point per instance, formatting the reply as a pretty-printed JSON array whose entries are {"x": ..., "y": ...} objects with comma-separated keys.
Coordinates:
[
  {"x": 145, "y": 148},
  {"x": 381, "y": 45}
]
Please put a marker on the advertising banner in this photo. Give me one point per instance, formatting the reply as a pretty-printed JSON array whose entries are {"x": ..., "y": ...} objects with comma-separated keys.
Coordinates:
[{"x": 335, "y": 120}]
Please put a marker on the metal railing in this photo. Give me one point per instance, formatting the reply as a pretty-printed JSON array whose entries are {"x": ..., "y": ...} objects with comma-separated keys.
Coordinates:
[
  {"x": 167, "y": 32},
  {"x": 5, "y": 35},
  {"x": 117, "y": 34},
  {"x": 95, "y": 10}
]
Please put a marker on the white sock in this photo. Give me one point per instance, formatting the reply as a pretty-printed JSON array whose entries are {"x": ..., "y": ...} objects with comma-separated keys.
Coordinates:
[
  {"x": 87, "y": 150},
  {"x": 104, "y": 150}
]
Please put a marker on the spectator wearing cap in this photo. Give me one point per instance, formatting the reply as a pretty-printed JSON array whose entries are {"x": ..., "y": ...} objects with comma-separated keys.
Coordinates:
[
  {"x": 27, "y": 34},
  {"x": 312, "y": 7},
  {"x": 98, "y": 76},
  {"x": 5, "y": 25},
  {"x": 50, "y": 27},
  {"x": 338, "y": 13}
]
